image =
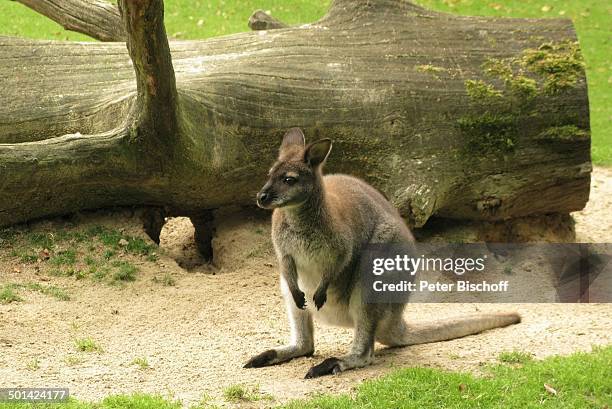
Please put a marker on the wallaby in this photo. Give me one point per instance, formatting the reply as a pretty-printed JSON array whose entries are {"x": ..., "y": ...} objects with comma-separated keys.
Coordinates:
[{"x": 320, "y": 225}]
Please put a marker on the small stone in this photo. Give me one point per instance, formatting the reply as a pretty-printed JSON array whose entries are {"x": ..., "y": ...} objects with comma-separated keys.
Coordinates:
[{"x": 123, "y": 242}]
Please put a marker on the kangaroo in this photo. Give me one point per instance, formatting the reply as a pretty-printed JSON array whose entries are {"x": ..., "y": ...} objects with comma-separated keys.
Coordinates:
[{"x": 319, "y": 226}]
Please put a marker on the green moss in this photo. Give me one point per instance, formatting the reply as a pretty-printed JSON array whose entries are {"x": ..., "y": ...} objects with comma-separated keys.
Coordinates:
[
  {"x": 480, "y": 91},
  {"x": 564, "y": 133},
  {"x": 557, "y": 65},
  {"x": 549, "y": 69},
  {"x": 524, "y": 87},
  {"x": 498, "y": 68},
  {"x": 488, "y": 133}
]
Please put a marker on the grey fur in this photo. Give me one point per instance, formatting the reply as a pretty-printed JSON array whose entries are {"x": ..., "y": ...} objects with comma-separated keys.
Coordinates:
[{"x": 319, "y": 226}]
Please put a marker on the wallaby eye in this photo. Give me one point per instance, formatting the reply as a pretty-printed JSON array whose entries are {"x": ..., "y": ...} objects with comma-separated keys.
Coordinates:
[{"x": 289, "y": 180}]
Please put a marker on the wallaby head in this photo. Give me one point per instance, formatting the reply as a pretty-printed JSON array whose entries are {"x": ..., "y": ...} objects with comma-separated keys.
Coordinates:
[{"x": 296, "y": 176}]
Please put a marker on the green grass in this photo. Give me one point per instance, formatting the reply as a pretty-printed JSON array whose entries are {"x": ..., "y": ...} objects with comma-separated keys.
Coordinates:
[
  {"x": 141, "y": 362},
  {"x": 235, "y": 393},
  {"x": 8, "y": 295},
  {"x": 581, "y": 381},
  {"x": 26, "y": 256},
  {"x": 515, "y": 357},
  {"x": 125, "y": 271},
  {"x": 185, "y": 19},
  {"x": 240, "y": 393},
  {"x": 7, "y": 236},
  {"x": 135, "y": 401},
  {"x": 42, "y": 240},
  {"x": 65, "y": 257},
  {"x": 166, "y": 280},
  {"x": 33, "y": 365},
  {"x": 188, "y": 19},
  {"x": 73, "y": 360},
  {"x": 50, "y": 290},
  {"x": 87, "y": 345},
  {"x": 90, "y": 252}
]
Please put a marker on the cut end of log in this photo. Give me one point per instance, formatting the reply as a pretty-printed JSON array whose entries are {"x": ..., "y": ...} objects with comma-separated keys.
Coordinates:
[{"x": 260, "y": 20}]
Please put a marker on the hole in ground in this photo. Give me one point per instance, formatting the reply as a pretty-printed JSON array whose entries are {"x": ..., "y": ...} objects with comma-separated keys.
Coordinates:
[{"x": 176, "y": 240}]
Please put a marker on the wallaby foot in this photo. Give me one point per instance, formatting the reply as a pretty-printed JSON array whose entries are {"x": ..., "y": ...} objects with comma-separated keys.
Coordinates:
[
  {"x": 332, "y": 366},
  {"x": 264, "y": 359},
  {"x": 362, "y": 351},
  {"x": 302, "y": 336},
  {"x": 328, "y": 367},
  {"x": 278, "y": 355}
]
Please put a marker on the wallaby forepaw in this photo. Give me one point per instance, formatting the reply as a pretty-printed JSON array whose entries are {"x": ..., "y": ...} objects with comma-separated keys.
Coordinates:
[
  {"x": 300, "y": 299},
  {"x": 319, "y": 298},
  {"x": 330, "y": 366},
  {"x": 264, "y": 359}
]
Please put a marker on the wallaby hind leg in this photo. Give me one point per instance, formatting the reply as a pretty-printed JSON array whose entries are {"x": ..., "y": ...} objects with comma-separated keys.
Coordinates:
[
  {"x": 302, "y": 336},
  {"x": 392, "y": 328},
  {"x": 362, "y": 350}
]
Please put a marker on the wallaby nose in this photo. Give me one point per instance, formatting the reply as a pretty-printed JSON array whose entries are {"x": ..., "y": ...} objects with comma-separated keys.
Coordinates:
[{"x": 263, "y": 198}]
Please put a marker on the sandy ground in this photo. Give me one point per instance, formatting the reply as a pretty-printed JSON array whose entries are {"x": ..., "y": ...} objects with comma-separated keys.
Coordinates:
[{"x": 197, "y": 334}]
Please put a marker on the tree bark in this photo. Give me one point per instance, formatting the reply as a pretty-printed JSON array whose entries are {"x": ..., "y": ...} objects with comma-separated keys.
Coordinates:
[
  {"x": 98, "y": 19},
  {"x": 462, "y": 117}
]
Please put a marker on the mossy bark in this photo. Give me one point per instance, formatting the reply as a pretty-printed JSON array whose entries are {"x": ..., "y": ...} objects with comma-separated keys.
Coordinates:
[{"x": 89, "y": 125}]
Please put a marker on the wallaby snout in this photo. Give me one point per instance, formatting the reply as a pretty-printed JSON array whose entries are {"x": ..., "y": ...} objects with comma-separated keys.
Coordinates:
[{"x": 265, "y": 197}]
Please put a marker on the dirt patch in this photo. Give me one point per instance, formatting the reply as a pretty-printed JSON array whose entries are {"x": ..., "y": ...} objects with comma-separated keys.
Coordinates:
[
  {"x": 196, "y": 326},
  {"x": 594, "y": 222}
]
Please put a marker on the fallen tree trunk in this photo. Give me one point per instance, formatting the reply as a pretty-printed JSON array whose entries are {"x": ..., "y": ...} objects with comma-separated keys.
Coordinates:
[{"x": 463, "y": 117}]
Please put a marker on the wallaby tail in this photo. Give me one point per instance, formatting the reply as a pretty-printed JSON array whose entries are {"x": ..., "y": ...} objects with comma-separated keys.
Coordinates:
[{"x": 452, "y": 328}]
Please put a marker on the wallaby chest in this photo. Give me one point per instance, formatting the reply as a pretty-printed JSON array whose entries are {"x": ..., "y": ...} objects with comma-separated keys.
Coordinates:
[{"x": 312, "y": 248}]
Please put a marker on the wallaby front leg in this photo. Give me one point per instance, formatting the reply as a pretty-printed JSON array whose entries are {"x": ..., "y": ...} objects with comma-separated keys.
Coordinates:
[
  {"x": 302, "y": 336},
  {"x": 289, "y": 273},
  {"x": 320, "y": 295},
  {"x": 362, "y": 351}
]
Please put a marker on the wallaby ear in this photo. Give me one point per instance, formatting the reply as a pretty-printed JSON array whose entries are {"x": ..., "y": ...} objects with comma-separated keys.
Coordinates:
[
  {"x": 293, "y": 136},
  {"x": 316, "y": 152}
]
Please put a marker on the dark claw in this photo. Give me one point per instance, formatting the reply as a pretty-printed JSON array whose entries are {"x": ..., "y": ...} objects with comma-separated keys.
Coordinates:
[
  {"x": 300, "y": 299},
  {"x": 320, "y": 297},
  {"x": 330, "y": 366},
  {"x": 263, "y": 359}
]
